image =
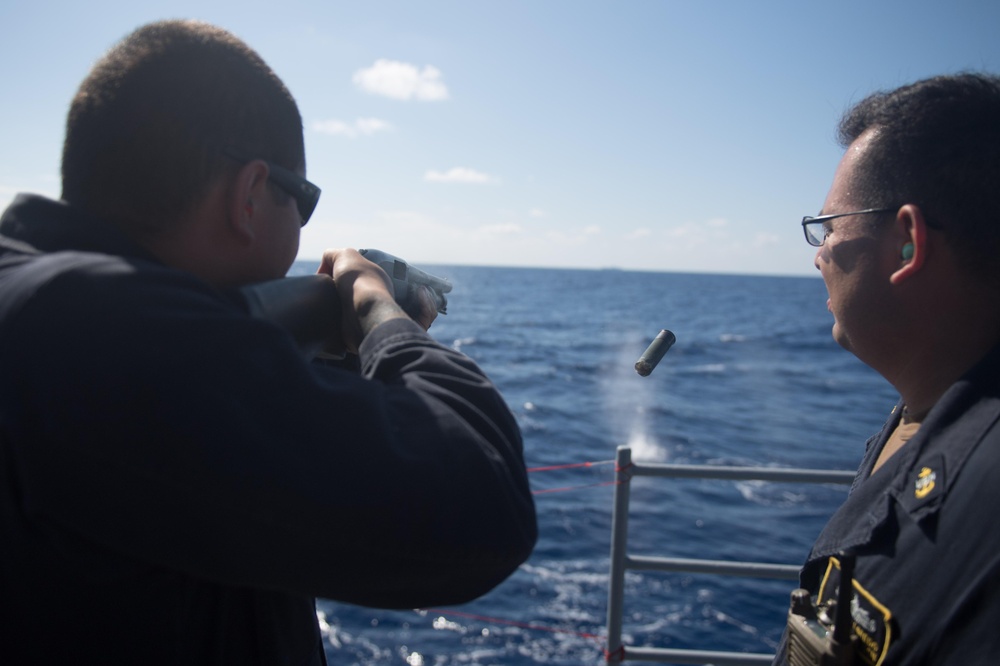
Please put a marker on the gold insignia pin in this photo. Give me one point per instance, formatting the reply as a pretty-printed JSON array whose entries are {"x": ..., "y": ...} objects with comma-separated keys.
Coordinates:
[{"x": 925, "y": 483}]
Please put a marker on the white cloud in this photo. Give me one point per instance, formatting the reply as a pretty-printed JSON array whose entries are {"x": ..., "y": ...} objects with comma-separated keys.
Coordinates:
[
  {"x": 458, "y": 175},
  {"x": 536, "y": 212},
  {"x": 360, "y": 127},
  {"x": 576, "y": 237},
  {"x": 641, "y": 232},
  {"x": 458, "y": 236},
  {"x": 401, "y": 80},
  {"x": 371, "y": 125},
  {"x": 714, "y": 230}
]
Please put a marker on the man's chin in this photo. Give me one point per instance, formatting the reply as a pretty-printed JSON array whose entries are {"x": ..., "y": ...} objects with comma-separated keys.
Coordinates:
[{"x": 840, "y": 337}]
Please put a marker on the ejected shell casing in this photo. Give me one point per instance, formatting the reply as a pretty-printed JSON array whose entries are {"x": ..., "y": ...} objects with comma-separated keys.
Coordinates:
[{"x": 654, "y": 352}]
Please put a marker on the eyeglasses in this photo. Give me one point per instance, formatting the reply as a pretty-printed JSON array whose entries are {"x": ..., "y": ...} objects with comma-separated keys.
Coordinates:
[
  {"x": 816, "y": 230},
  {"x": 306, "y": 194}
]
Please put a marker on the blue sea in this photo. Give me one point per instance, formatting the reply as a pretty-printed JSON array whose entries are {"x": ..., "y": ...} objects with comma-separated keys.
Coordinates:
[{"x": 753, "y": 379}]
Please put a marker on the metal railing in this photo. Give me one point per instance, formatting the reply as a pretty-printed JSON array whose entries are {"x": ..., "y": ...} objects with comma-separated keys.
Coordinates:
[{"x": 622, "y": 561}]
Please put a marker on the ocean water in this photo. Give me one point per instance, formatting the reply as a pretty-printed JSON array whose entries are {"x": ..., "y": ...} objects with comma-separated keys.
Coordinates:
[{"x": 754, "y": 379}]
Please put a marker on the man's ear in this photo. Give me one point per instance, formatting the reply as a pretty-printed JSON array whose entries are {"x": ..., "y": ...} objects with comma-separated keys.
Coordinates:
[
  {"x": 911, "y": 242},
  {"x": 248, "y": 188}
]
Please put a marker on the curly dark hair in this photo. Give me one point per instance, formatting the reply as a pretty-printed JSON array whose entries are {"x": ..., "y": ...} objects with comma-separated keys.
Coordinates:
[
  {"x": 146, "y": 130},
  {"x": 936, "y": 144}
]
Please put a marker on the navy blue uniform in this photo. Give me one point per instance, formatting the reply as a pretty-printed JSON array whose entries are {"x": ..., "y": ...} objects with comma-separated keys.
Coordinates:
[
  {"x": 926, "y": 532},
  {"x": 177, "y": 483}
]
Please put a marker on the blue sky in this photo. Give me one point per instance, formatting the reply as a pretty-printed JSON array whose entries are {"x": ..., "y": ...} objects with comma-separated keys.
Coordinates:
[{"x": 651, "y": 135}]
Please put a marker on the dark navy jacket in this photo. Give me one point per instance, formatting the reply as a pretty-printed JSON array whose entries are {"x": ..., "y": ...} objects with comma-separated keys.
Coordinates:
[
  {"x": 926, "y": 532},
  {"x": 177, "y": 483}
]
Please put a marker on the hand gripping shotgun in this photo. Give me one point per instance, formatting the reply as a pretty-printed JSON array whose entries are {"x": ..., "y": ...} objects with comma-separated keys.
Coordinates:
[{"x": 308, "y": 306}]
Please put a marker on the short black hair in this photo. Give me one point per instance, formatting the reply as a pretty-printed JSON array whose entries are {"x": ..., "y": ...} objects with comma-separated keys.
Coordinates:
[
  {"x": 936, "y": 144},
  {"x": 147, "y": 129}
]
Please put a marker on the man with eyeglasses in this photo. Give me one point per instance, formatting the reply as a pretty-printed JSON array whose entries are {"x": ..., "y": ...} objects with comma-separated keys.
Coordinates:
[
  {"x": 177, "y": 481},
  {"x": 908, "y": 241}
]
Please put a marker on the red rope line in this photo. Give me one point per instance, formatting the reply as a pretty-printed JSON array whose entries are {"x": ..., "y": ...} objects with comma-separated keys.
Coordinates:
[
  {"x": 550, "y": 468},
  {"x": 570, "y": 466},
  {"x": 617, "y": 656},
  {"x": 626, "y": 468}
]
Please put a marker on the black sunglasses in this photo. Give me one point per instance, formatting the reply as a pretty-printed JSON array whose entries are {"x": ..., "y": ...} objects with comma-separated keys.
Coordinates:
[{"x": 306, "y": 194}]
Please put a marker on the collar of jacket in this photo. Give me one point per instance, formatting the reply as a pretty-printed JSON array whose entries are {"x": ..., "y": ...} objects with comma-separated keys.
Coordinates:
[
  {"x": 920, "y": 475},
  {"x": 36, "y": 224}
]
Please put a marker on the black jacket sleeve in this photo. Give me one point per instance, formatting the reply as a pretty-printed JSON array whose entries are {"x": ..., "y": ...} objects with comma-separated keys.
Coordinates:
[{"x": 156, "y": 420}]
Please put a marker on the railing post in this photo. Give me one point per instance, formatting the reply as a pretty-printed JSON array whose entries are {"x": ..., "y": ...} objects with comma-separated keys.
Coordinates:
[
  {"x": 621, "y": 561},
  {"x": 615, "y": 651}
]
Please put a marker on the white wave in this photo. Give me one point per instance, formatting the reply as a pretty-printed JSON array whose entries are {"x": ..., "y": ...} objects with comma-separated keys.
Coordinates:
[
  {"x": 766, "y": 493},
  {"x": 710, "y": 368},
  {"x": 442, "y": 623},
  {"x": 560, "y": 570},
  {"x": 645, "y": 448},
  {"x": 458, "y": 343},
  {"x": 723, "y": 618}
]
